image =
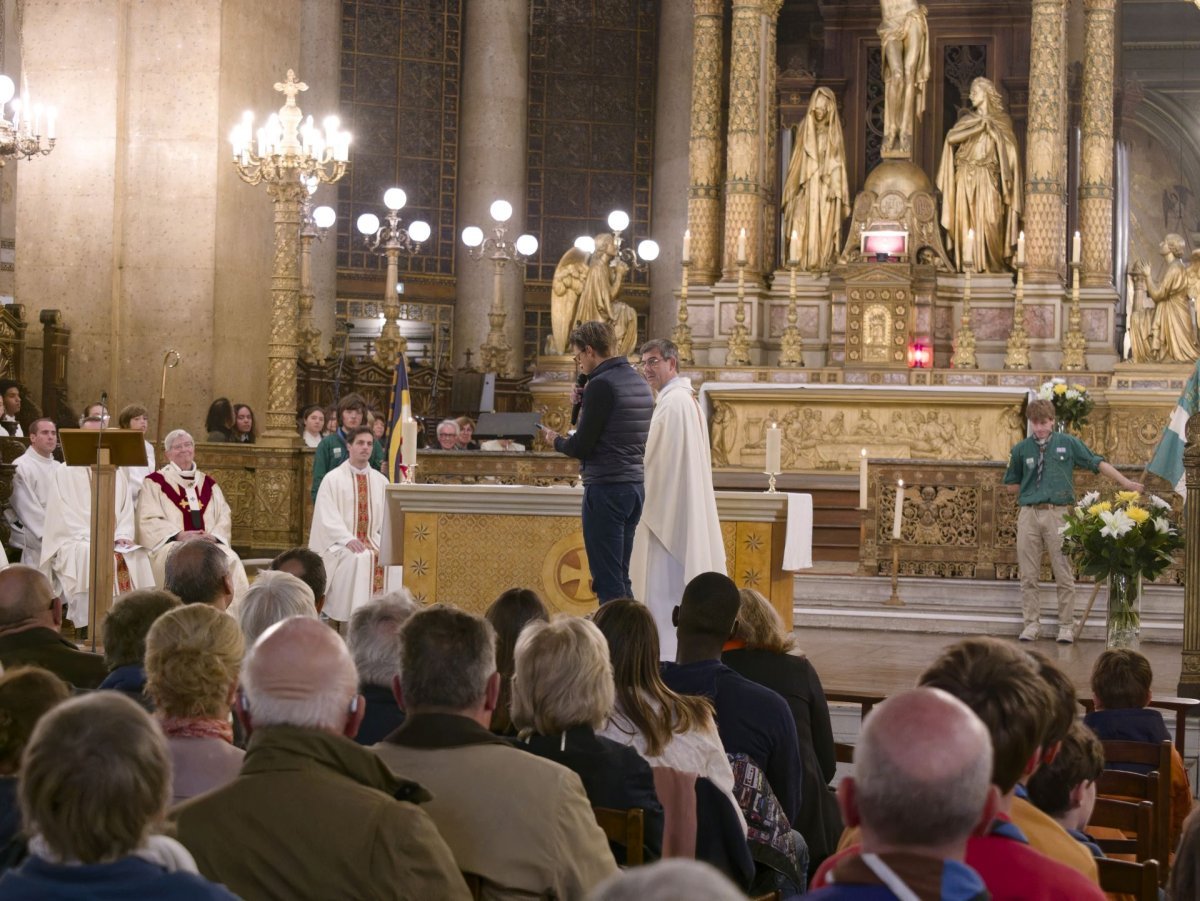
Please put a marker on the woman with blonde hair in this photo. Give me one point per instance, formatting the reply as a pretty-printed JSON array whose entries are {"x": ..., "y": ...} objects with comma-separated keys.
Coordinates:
[
  {"x": 763, "y": 651},
  {"x": 192, "y": 658},
  {"x": 562, "y": 694}
]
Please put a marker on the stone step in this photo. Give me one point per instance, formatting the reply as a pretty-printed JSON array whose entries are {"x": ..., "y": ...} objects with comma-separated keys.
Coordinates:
[{"x": 963, "y": 606}]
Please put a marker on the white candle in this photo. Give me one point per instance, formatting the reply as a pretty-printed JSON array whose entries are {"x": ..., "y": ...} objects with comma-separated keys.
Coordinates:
[
  {"x": 862, "y": 479},
  {"x": 899, "y": 510},
  {"x": 408, "y": 442},
  {"x": 774, "y": 449},
  {"x": 1021, "y": 249},
  {"x": 741, "y": 245},
  {"x": 687, "y": 244},
  {"x": 1075, "y": 247},
  {"x": 794, "y": 246},
  {"x": 969, "y": 248}
]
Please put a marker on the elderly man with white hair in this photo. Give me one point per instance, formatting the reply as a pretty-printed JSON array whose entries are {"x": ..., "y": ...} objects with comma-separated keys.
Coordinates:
[
  {"x": 373, "y": 637},
  {"x": 272, "y": 598},
  {"x": 180, "y": 503},
  {"x": 312, "y": 814}
]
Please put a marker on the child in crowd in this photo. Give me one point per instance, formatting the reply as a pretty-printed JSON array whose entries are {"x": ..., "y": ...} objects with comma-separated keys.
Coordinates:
[
  {"x": 1121, "y": 680},
  {"x": 1065, "y": 788}
]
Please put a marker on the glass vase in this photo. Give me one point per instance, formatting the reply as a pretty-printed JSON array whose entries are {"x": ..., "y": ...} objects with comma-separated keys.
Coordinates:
[
  {"x": 1124, "y": 610},
  {"x": 1060, "y": 425}
]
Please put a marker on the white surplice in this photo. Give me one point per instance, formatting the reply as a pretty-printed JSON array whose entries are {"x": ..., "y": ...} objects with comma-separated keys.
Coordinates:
[
  {"x": 26, "y": 514},
  {"x": 679, "y": 535},
  {"x": 67, "y": 539},
  {"x": 137, "y": 474},
  {"x": 351, "y": 579},
  {"x": 160, "y": 517}
]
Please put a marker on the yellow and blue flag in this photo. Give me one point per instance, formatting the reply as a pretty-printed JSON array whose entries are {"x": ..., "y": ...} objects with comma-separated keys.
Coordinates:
[{"x": 401, "y": 412}]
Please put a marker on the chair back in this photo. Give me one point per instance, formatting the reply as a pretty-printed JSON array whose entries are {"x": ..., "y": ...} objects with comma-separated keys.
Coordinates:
[
  {"x": 1157, "y": 757},
  {"x": 1133, "y": 818},
  {"x": 1121, "y": 877},
  {"x": 625, "y": 827}
]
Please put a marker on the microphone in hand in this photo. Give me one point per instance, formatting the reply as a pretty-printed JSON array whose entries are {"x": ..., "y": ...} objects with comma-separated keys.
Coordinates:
[{"x": 580, "y": 381}]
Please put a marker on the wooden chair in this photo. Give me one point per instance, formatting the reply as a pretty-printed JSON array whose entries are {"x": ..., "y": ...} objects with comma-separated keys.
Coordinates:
[
  {"x": 1123, "y": 877},
  {"x": 1158, "y": 758},
  {"x": 843, "y": 752},
  {"x": 1181, "y": 707},
  {"x": 1134, "y": 819},
  {"x": 625, "y": 827},
  {"x": 1136, "y": 787}
]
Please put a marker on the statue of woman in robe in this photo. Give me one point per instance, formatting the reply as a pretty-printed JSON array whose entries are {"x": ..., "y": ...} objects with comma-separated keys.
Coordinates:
[
  {"x": 816, "y": 196},
  {"x": 980, "y": 181},
  {"x": 1166, "y": 334}
]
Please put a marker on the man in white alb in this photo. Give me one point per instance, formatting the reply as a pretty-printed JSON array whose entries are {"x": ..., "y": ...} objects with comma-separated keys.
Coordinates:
[
  {"x": 180, "y": 503},
  {"x": 35, "y": 468},
  {"x": 679, "y": 535},
  {"x": 347, "y": 527},
  {"x": 67, "y": 541}
]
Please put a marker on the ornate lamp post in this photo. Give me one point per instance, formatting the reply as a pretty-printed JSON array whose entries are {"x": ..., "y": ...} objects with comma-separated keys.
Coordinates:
[
  {"x": 495, "y": 354},
  {"x": 285, "y": 154},
  {"x": 21, "y": 136},
  {"x": 316, "y": 224},
  {"x": 390, "y": 239}
]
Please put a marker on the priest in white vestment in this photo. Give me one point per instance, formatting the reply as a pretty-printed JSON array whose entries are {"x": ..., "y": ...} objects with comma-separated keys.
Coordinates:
[
  {"x": 26, "y": 513},
  {"x": 347, "y": 527},
  {"x": 679, "y": 535},
  {"x": 67, "y": 541},
  {"x": 180, "y": 503}
]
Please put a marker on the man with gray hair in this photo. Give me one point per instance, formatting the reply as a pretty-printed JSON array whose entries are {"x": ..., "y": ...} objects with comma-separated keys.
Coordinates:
[
  {"x": 272, "y": 598},
  {"x": 373, "y": 637},
  {"x": 30, "y": 619},
  {"x": 313, "y": 815},
  {"x": 180, "y": 504},
  {"x": 197, "y": 572},
  {"x": 921, "y": 788},
  {"x": 522, "y": 823},
  {"x": 679, "y": 535}
]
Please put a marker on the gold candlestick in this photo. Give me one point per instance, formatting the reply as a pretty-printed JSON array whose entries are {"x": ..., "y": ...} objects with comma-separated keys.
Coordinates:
[
  {"x": 895, "y": 600},
  {"x": 964, "y": 341},
  {"x": 682, "y": 336},
  {"x": 1016, "y": 355},
  {"x": 739, "y": 339},
  {"x": 791, "y": 343},
  {"x": 1074, "y": 344}
]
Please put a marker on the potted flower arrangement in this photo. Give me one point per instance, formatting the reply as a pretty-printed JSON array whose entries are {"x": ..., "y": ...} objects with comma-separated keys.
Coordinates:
[
  {"x": 1123, "y": 538},
  {"x": 1072, "y": 403}
]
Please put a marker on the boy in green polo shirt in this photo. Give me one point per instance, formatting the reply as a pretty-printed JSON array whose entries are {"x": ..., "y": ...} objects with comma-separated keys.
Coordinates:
[{"x": 1041, "y": 468}]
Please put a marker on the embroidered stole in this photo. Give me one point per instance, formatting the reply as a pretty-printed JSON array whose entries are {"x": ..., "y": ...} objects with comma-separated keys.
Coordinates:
[
  {"x": 193, "y": 520},
  {"x": 362, "y": 521}
]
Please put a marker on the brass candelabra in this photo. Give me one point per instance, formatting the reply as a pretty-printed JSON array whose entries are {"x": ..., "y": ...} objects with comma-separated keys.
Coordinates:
[
  {"x": 391, "y": 239},
  {"x": 964, "y": 341},
  {"x": 315, "y": 225},
  {"x": 1074, "y": 346},
  {"x": 791, "y": 343},
  {"x": 739, "y": 339},
  {"x": 1016, "y": 353},
  {"x": 682, "y": 335}
]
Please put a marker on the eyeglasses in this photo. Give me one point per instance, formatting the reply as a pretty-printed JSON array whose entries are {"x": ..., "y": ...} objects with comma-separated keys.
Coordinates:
[{"x": 650, "y": 362}]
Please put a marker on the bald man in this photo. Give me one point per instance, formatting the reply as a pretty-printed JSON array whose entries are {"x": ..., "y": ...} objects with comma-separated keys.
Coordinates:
[
  {"x": 921, "y": 788},
  {"x": 30, "y": 619},
  {"x": 312, "y": 814}
]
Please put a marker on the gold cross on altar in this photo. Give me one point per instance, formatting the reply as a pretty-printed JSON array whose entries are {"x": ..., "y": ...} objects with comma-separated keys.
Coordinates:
[{"x": 291, "y": 87}]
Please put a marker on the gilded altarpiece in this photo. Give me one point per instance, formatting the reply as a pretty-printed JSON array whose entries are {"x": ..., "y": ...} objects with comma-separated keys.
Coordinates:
[{"x": 880, "y": 314}]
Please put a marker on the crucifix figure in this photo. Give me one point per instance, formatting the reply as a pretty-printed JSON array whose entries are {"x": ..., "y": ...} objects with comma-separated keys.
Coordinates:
[
  {"x": 291, "y": 87},
  {"x": 904, "y": 38}
]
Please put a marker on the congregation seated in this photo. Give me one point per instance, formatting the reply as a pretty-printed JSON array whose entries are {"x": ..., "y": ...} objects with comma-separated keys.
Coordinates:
[
  {"x": 522, "y": 824},
  {"x": 373, "y": 637},
  {"x": 124, "y": 634},
  {"x": 30, "y": 620},
  {"x": 1065, "y": 788},
  {"x": 509, "y": 614},
  {"x": 198, "y": 573},
  {"x": 192, "y": 659},
  {"x": 94, "y": 785},
  {"x": 1184, "y": 882},
  {"x": 27, "y": 693},
  {"x": 218, "y": 422},
  {"x": 272, "y": 598},
  {"x": 668, "y": 880},
  {"x": 1121, "y": 681},
  {"x": 180, "y": 504},
  {"x": 307, "y": 566},
  {"x": 562, "y": 695},
  {"x": 921, "y": 788},
  {"x": 447, "y": 435},
  {"x": 764, "y": 652},
  {"x": 466, "y": 434},
  {"x": 312, "y": 814}
]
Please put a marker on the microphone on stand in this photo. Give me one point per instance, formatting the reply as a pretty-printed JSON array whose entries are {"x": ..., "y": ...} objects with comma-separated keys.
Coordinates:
[{"x": 580, "y": 381}]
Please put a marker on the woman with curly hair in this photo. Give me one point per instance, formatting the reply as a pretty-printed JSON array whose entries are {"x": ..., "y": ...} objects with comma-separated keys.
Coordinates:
[{"x": 192, "y": 658}]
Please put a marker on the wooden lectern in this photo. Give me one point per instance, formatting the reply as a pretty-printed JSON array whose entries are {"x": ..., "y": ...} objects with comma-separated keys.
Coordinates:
[{"x": 103, "y": 450}]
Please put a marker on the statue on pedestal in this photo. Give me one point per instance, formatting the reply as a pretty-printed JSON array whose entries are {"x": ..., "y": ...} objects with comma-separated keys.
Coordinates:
[
  {"x": 904, "y": 35},
  {"x": 1167, "y": 333},
  {"x": 816, "y": 194},
  {"x": 980, "y": 181},
  {"x": 585, "y": 288}
]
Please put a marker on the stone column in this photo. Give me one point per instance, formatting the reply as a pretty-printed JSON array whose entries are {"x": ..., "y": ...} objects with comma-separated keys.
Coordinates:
[
  {"x": 670, "y": 193},
  {"x": 492, "y": 165},
  {"x": 704, "y": 144},
  {"x": 1046, "y": 147},
  {"x": 1189, "y": 670},
  {"x": 1096, "y": 153}
]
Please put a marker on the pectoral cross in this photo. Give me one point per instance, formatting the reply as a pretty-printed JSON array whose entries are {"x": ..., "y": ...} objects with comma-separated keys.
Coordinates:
[{"x": 291, "y": 87}]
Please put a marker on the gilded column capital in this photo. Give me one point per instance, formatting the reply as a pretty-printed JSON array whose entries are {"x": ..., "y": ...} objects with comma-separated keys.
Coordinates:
[
  {"x": 1045, "y": 148},
  {"x": 1096, "y": 144},
  {"x": 707, "y": 7},
  {"x": 704, "y": 143}
]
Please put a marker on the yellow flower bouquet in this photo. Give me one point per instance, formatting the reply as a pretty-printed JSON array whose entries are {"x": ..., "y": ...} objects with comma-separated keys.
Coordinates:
[{"x": 1072, "y": 403}]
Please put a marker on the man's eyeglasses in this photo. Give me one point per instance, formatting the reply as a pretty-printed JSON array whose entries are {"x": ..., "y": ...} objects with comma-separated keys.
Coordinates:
[{"x": 649, "y": 362}]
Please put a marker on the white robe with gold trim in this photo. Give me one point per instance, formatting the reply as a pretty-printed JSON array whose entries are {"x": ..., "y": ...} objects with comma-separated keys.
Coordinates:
[
  {"x": 679, "y": 534},
  {"x": 351, "y": 579}
]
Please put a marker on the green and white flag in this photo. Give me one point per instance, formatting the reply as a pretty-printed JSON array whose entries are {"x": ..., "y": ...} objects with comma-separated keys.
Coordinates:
[{"x": 1167, "y": 461}]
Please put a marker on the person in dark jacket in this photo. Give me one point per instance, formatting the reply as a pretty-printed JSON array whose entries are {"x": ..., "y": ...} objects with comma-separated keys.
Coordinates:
[
  {"x": 562, "y": 694},
  {"x": 30, "y": 617},
  {"x": 373, "y": 637},
  {"x": 125, "y": 630},
  {"x": 610, "y": 443}
]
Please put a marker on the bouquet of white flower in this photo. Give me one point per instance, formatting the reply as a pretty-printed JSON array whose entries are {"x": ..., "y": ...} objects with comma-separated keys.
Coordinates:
[{"x": 1072, "y": 403}]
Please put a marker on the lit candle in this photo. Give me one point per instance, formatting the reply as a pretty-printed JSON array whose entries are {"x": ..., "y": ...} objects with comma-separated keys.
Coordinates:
[
  {"x": 741, "y": 245},
  {"x": 1075, "y": 247},
  {"x": 774, "y": 449},
  {"x": 408, "y": 442},
  {"x": 862, "y": 479},
  {"x": 1021, "y": 249},
  {"x": 687, "y": 244},
  {"x": 37, "y": 119},
  {"x": 899, "y": 510},
  {"x": 969, "y": 248},
  {"x": 794, "y": 246}
]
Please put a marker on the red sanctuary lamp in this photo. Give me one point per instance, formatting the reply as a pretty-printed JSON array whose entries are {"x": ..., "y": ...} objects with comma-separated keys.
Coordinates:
[{"x": 918, "y": 356}]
